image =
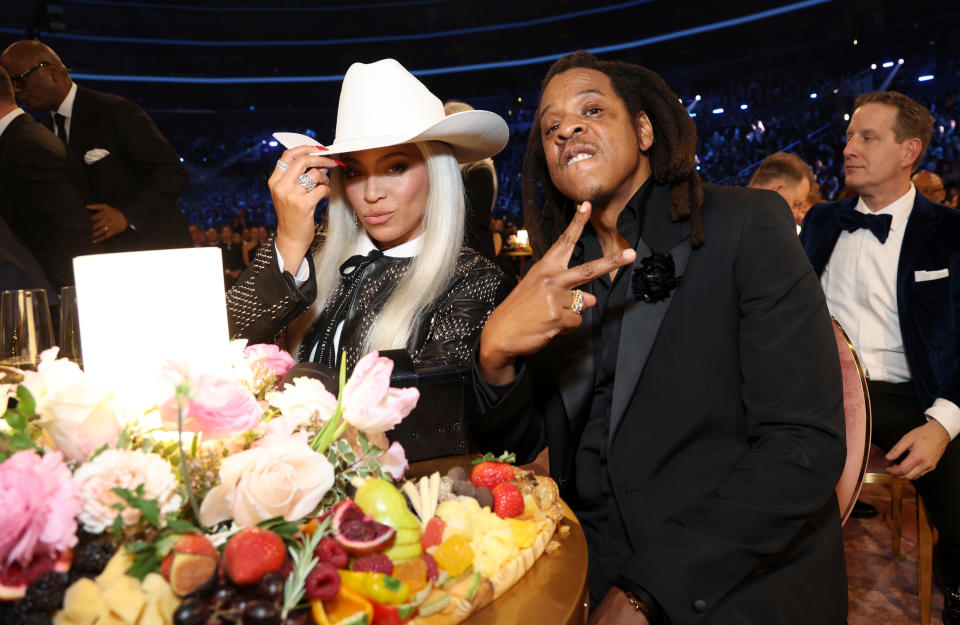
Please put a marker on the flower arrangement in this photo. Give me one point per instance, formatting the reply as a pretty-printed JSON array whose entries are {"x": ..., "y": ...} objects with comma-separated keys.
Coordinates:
[{"x": 224, "y": 452}]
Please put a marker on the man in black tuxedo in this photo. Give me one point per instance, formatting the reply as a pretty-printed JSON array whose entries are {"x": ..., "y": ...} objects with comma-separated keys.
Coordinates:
[
  {"x": 691, "y": 399},
  {"x": 889, "y": 262},
  {"x": 38, "y": 199},
  {"x": 134, "y": 175}
]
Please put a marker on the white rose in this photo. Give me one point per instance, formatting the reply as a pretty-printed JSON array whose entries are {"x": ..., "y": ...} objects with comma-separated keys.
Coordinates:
[
  {"x": 302, "y": 399},
  {"x": 282, "y": 479}
]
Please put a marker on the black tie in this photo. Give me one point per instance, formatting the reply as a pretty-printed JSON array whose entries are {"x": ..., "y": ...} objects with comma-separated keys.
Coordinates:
[
  {"x": 61, "y": 127},
  {"x": 850, "y": 219}
]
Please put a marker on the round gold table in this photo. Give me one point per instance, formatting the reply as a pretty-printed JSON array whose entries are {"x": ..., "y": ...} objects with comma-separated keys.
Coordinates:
[{"x": 553, "y": 592}]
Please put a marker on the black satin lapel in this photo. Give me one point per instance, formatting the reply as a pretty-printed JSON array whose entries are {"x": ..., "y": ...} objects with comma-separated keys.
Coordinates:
[
  {"x": 641, "y": 324},
  {"x": 921, "y": 226}
]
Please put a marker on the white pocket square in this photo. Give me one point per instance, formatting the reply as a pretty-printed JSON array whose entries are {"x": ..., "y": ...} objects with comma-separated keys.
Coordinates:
[
  {"x": 94, "y": 155},
  {"x": 922, "y": 275}
]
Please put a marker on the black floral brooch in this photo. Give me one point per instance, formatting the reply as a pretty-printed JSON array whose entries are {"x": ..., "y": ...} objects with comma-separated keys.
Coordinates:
[{"x": 655, "y": 278}]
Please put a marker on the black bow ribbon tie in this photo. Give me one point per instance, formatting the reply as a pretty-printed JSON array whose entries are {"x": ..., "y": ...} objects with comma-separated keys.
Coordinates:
[
  {"x": 851, "y": 220},
  {"x": 359, "y": 261}
]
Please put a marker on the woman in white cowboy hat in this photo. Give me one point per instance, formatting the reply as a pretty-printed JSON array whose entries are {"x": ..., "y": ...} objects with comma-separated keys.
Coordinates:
[{"x": 391, "y": 273}]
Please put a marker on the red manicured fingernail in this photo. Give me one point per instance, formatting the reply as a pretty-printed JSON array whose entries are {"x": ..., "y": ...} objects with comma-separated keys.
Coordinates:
[
  {"x": 320, "y": 147},
  {"x": 340, "y": 163}
]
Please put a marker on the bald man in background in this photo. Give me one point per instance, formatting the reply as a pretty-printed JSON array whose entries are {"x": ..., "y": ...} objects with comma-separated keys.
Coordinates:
[
  {"x": 930, "y": 185},
  {"x": 134, "y": 176},
  {"x": 788, "y": 175}
]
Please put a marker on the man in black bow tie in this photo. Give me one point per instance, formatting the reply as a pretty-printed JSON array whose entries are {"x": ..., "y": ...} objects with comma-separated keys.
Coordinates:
[
  {"x": 673, "y": 350},
  {"x": 889, "y": 263}
]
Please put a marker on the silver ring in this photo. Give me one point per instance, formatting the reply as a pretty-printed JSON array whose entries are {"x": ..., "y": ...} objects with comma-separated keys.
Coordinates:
[
  {"x": 306, "y": 182},
  {"x": 577, "y": 306},
  {"x": 282, "y": 166}
]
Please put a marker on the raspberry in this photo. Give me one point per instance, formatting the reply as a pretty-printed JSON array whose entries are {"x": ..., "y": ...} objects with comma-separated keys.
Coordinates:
[
  {"x": 376, "y": 563},
  {"x": 329, "y": 550},
  {"x": 432, "y": 570},
  {"x": 93, "y": 557},
  {"x": 323, "y": 582},
  {"x": 507, "y": 500},
  {"x": 45, "y": 593}
]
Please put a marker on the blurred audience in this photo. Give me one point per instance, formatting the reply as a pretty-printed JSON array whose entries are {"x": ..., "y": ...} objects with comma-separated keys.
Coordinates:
[{"x": 789, "y": 176}]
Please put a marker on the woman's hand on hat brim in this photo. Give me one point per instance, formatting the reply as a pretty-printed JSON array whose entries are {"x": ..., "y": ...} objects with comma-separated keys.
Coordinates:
[{"x": 295, "y": 205}]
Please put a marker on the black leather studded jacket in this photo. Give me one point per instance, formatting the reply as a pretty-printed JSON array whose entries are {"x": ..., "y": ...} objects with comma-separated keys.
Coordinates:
[{"x": 264, "y": 301}]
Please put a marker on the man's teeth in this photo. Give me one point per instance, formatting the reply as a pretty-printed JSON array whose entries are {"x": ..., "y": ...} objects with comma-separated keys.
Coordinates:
[{"x": 579, "y": 157}]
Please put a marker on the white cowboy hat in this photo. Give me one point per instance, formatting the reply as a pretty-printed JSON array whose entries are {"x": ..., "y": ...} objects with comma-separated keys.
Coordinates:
[{"x": 382, "y": 104}]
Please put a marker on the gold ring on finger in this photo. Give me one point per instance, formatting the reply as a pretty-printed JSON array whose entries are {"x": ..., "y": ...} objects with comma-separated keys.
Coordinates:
[{"x": 577, "y": 306}]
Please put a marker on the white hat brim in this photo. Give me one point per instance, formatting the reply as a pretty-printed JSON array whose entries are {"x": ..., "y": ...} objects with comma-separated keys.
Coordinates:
[{"x": 473, "y": 136}]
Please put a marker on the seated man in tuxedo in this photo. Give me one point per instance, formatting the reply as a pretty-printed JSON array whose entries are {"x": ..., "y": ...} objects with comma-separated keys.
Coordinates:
[
  {"x": 134, "y": 176},
  {"x": 889, "y": 262},
  {"x": 38, "y": 199},
  {"x": 672, "y": 349}
]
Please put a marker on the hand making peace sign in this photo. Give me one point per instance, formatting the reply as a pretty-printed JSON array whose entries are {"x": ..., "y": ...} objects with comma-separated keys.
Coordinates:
[{"x": 543, "y": 304}]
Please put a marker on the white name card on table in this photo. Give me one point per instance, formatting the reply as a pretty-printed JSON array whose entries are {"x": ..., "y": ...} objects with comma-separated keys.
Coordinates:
[{"x": 140, "y": 309}]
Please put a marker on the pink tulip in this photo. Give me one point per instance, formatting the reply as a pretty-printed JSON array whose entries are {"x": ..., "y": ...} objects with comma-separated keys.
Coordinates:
[{"x": 370, "y": 404}]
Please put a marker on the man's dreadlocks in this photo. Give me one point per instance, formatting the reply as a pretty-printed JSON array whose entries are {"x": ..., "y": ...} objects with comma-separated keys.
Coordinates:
[{"x": 671, "y": 155}]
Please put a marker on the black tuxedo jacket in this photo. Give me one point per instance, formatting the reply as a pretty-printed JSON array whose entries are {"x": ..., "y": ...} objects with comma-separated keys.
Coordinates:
[
  {"x": 38, "y": 198},
  {"x": 142, "y": 176},
  {"x": 929, "y": 310},
  {"x": 726, "y": 434}
]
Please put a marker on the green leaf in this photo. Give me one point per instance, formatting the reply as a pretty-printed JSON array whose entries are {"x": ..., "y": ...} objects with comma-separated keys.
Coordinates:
[
  {"x": 21, "y": 441},
  {"x": 124, "y": 439},
  {"x": 180, "y": 527},
  {"x": 16, "y": 420},
  {"x": 118, "y": 527},
  {"x": 506, "y": 456},
  {"x": 26, "y": 405},
  {"x": 144, "y": 563}
]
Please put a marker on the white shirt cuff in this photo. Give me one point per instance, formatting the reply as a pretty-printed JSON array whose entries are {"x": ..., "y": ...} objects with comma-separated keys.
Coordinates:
[
  {"x": 303, "y": 273},
  {"x": 947, "y": 414}
]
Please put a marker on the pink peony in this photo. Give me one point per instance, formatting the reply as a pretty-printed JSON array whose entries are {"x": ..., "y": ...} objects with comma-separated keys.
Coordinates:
[
  {"x": 275, "y": 360},
  {"x": 217, "y": 407},
  {"x": 39, "y": 503},
  {"x": 369, "y": 403}
]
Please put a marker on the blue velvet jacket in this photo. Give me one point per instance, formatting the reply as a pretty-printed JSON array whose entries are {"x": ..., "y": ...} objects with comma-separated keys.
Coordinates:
[{"x": 929, "y": 310}]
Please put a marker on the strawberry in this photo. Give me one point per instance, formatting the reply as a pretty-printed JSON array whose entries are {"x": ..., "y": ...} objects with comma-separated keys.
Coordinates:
[
  {"x": 433, "y": 535},
  {"x": 251, "y": 553},
  {"x": 507, "y": 500},
  {"x": 489, "y": 474},
  {"x": 188, "y": 543}
]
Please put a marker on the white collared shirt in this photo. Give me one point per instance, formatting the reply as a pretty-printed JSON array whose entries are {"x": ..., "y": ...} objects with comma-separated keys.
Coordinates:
[
  {"x": 364, "y": 246},
  {"x": 66, "y": 109},
  {"x": 9, "y": 117},
  {"x": 860, "y": 283}
]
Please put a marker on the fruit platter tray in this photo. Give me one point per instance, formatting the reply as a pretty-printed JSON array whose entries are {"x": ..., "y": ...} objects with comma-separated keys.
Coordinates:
[{"x": 554, "y": 590}]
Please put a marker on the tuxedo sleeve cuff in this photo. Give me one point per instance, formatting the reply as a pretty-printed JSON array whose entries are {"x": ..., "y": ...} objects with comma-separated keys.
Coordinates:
[
  {"x": 947, "y": 414},
  {"x": 654, "y": 611},
  {"x": 303, "y": 273}
]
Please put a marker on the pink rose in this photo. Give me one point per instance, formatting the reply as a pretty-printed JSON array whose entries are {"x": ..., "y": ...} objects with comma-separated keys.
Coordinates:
[
  {"x": 39, "y": 503},
  {"x": 216, "y": 406},
  {"x": 394, "y": 461},
  {"x": 370, "y": 404},
  {"x": 275, "y": 360},
  {"x": 280, "y": 478}
]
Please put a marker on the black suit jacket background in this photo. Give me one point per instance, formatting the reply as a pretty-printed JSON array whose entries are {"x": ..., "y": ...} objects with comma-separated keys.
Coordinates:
[
  {"x": 142, "y": 176},
  {"x": 727, "y": 433},
  {"x": 39, "y": 200}
]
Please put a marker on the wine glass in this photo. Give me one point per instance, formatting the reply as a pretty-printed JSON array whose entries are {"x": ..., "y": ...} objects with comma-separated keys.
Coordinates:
[
  {"x": 27, "y": 328},
  {"x": 70, "y": 326}
]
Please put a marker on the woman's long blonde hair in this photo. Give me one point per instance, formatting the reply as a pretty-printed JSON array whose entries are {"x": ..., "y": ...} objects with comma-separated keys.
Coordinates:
[{"x": 430, "y": 272}]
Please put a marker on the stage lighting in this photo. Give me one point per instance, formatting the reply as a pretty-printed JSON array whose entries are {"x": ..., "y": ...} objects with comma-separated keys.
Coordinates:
[
  {"x": 925, "y": 77},
  {"x": 888, "y": 64},
  {"x": 813, "y": 96},
  {"x": 718, "y": 111},
  {"x": 744, "y": 107},
  {"x": 272, "y": 144},
  {"x": 181, "y": 159},
  {"x": 697, "y": 98},
  {"x": 846, "y": 117},
  {"x": 873, "y": 66},
  {"x": 855, "y": 42},
  {"x": 899, "y": 61}
]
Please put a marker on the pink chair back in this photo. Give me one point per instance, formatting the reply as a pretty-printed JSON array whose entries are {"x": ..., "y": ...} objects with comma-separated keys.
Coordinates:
[{"x": 856, "y": 410}]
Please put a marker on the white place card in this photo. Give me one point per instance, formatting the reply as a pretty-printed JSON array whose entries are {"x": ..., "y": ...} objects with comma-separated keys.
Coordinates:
[{"x": 140, "y": 309}]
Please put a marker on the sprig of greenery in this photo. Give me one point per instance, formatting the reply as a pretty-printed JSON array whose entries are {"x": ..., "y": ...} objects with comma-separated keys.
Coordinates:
[
  {"x": 183, "y": 391},
  {"x": 507, "y": 456},
  {"x": 303, "y": 563},
  {"x": 335, "y": 426},
  {"x": 23, "y": 429}
]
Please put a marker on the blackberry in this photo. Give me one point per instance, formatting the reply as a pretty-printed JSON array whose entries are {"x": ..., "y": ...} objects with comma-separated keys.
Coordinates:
[
  {"x": 45, "y": 593},
  {"x": 13, "y": 612},
  {"x": 38, "y": 618},
  {"x": 93, "y": 557}
]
